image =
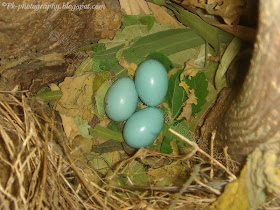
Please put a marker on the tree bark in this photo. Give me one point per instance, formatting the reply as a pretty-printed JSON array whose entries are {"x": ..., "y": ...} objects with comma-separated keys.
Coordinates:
[
  {"x": 250, "y": 116},
  {"x": 36, "y": 32},
  {"x": 38, "y": 46}
]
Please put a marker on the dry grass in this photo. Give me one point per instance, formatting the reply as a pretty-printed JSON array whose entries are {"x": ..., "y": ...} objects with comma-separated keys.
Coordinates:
[{"x": 40, "y": 171}]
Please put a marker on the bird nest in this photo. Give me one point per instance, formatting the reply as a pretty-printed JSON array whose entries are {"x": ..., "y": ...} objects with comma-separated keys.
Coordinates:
[{"x": 41, "y": 169}]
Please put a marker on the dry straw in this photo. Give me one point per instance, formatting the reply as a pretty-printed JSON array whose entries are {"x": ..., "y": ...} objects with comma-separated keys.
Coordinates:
[{"x": 40, "y": 171}]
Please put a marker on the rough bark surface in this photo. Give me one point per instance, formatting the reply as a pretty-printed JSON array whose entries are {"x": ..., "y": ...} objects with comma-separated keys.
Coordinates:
[
  {"x": 36, "y": 32},
  {"x": 35, "y": 73},
  {"x": 37, "y": 45},
  {"x": 252, "y": 115}
]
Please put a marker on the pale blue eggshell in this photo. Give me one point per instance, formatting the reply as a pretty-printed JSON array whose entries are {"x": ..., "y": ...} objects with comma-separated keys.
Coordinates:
[
  {"x": 143, "y": 127},
  {"x": 151, "y": 81},
  {"x": 121, "y": 99}
]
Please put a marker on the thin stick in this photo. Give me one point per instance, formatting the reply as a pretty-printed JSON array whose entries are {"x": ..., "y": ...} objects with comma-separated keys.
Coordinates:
[
  {"x": 45, "y": 167},
  {"x": 4, "y": 202},
  {"x": 217, "y": 192},
  {"x": 71, "y": 188},
  {"x": 226, "y": 156},
  {"x": 212, "y": 153},
  {"x": 185, "y": 186},
  {"x": 138, "y": 154},
  {"x": 188, "y": 156},
  {"x": 87, "y": 185},
  {"x": 10, "y": 91},
  {"x": 195, "y": 146}
]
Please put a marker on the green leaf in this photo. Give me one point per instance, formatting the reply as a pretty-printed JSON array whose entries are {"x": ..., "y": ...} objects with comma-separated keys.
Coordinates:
[
  {"x": 115, "y": 126},
  {"x": 211, "y": 97},
  {"x": 98, "y": 47},
  {"x": 105, "y": 133},
  {"x": 108, "y": 146},
  {"x": 94, "y": 47},
  {"x": 225, "y": 37},
  {"x": 200, "y": 85},
  {"x": 43, "y": 91},
  {"x": 165, "y": 146},
  {"x": 83, "y": 127},
  {"x": 187, "y": 55},
  {"x": 154, "y": 146},
  {"x": 158, "y": 2},
  {"x": 133, "y": 32},
  {"x": 105, "y": 60},
  {"x": 210, "y": 71},
  {"x": 230, "y": 53},
  {"x": 203, "y": 29},
  {"x": 166, "y": 42},
  {"x": 97, "y": 82},
  {"x": 85, "y": 66},
  {"x": 176, "y": 95},
  {"x": 107, "y": 54},
  {"x": 138, "y": 174},
  {"x": 135, "y": 173},
  {"x": 181, "y": 128},
  {"x": 47, "y": 95},
  {"x": 162, "y": 59},
  {"x": 99, "y": 98},
  {"x": 142, "y": 19},
  {"x": 104, "y": 162}
]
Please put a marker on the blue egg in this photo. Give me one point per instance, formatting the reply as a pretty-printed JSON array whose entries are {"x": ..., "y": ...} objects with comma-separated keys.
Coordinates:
[
  {"x": 151, "y": 81},
  {"x": 121, "y": 99},
  {"x": 143, "y": 127}
]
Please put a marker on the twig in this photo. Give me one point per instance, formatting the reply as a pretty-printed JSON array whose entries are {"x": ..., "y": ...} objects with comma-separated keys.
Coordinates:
[
  {"x": 4, "y": 202},
  {"x": 195, "y": 146},
  {"x": 185, "y": 186},
  {"x": 226, "y": 156},
  {"x": 11, "y": 91},
  {"x": 138, "y": 154},
  {"x": 217, "y": 192},
  {"x": 45, "y": 167},
  {"x": 189, "y": 155},
  {"x": 87, "y": 185},
  {"x": 71, "y": 188},
  {"x": 212, "y": 153},
  {"x": 10, "y": 196}
]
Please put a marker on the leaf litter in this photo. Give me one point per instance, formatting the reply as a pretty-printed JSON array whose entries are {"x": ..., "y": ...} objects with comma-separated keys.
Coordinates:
[{"x": 191, "y": 92}]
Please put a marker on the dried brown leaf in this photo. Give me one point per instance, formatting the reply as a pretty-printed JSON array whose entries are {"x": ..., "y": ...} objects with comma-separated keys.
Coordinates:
[
  {"x": 190, "y": 72},
  {"x": 82, "y": 143},
  {"x": 77, "y": 96},
  {"x": 134, "y": 7},
  {"x": 104, "y": 122},
  {"x": 54, "y": 87},
  {"x": 175, "y": 174},
  {"x": 70, "y": 128},
  {"x": 186, "y": 112},
  {"x": 192, "y": 99},
  {"x": 130, "y": 67},
  {"x": 106, "y": 161},
  {"x": 161, "y": 15},
  {"x": 229, "y": 10},
  {"x": 184, "y": 85},
  {"x": 174, "y": 146},
  {"x": 173, "y": 71}
]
